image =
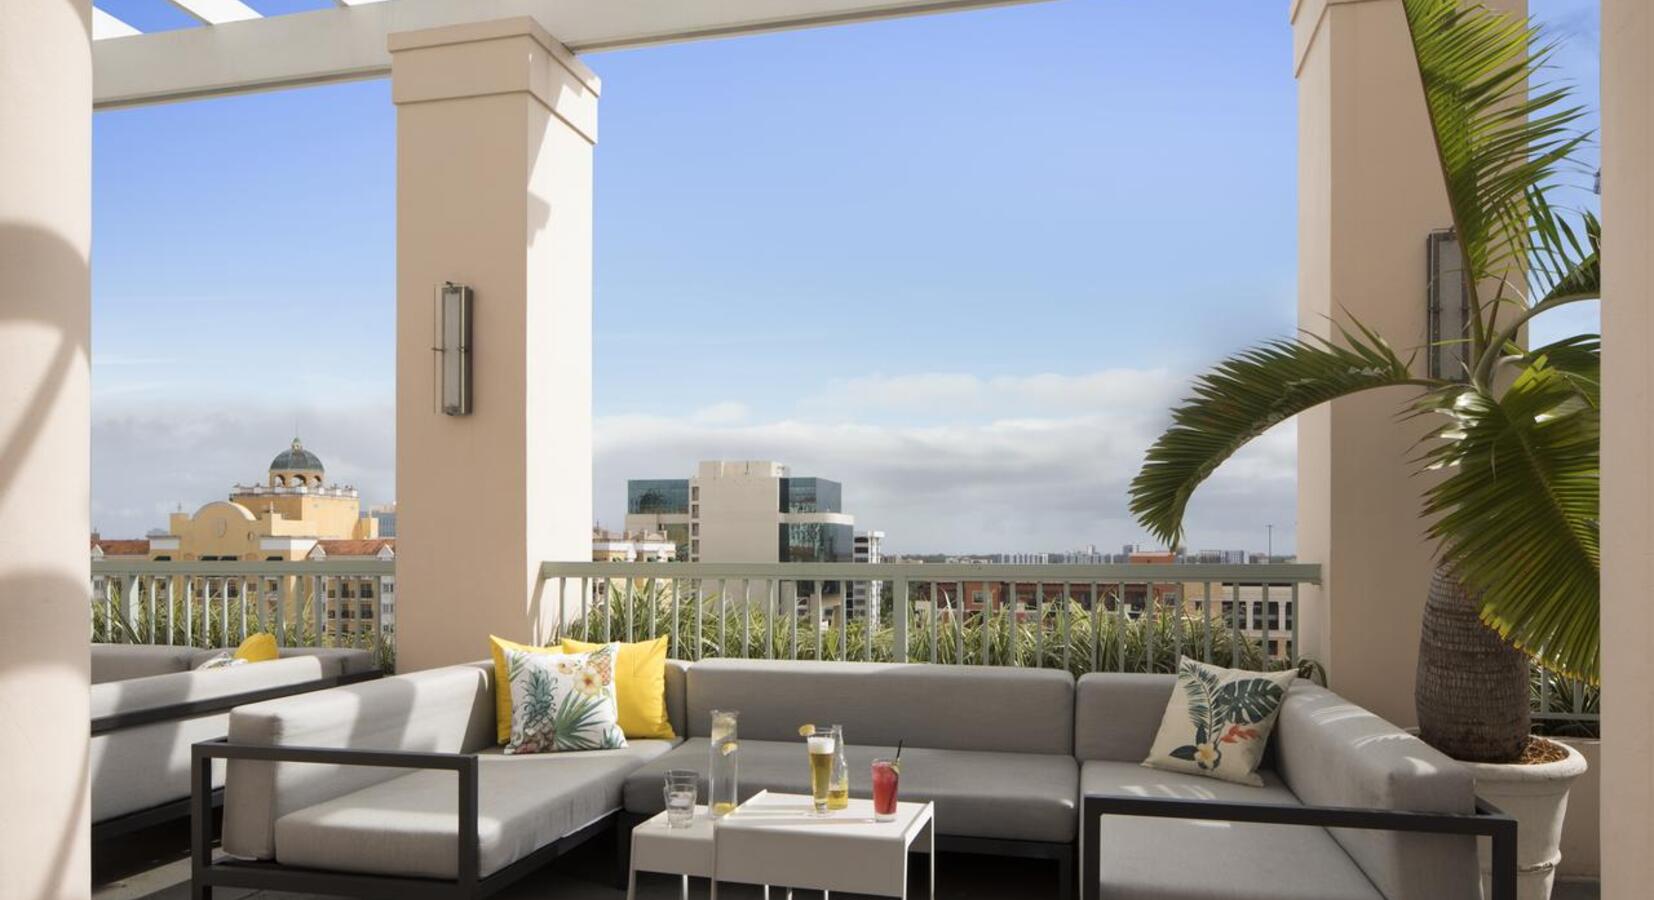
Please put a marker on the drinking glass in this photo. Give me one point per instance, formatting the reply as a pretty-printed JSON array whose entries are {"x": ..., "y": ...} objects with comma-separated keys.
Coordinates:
[
  {"x": 821, "y": 769},
  {"x": 680, "y": 789},
  {"x": 887, "y": 776}
]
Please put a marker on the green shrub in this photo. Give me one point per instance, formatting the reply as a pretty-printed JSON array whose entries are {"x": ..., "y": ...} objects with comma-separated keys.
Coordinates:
[{"x": 725, "y": 626}]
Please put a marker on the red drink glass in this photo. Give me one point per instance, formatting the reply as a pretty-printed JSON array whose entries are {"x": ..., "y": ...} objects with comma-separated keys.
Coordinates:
[{"x": 887, "y": 775}]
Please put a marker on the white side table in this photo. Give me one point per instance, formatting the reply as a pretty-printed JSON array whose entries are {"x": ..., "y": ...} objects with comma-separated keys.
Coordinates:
[
  {"x": 777, "y": 839},
  {"x": 658, "y": 847}
]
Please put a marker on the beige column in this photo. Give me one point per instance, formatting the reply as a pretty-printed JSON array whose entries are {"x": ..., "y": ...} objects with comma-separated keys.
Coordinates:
[
  {"x": 495, "y": 127},
  {"x": 1369, "y": 193},
  {"x": 45, "y": 443},
  {"x": 1627, "y": 448}
]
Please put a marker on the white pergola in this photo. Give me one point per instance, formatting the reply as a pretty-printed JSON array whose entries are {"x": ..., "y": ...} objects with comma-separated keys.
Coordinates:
[
  {"x": 236, "y": 50},
  {"x": 497, "y": 120}
]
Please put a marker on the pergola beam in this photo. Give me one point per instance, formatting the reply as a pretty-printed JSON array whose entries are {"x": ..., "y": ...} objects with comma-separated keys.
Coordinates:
[
  {"x": 349, "y": 42},
  {"x": 106, "y": 26}
]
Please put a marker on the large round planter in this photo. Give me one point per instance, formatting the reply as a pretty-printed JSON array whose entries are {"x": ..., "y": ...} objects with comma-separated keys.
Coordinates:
[{"x": 1537, "y": 797}]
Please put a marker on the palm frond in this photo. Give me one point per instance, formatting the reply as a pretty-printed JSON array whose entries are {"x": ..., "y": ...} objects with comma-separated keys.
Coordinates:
[
  {"x": 1518, "y": 515},
  {"x": 1243, "y": 397},
  {"x": 1502, "y": 135}
]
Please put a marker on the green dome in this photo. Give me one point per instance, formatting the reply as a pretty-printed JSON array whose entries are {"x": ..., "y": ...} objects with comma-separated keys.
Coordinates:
[{"x": 296, "y": 459}]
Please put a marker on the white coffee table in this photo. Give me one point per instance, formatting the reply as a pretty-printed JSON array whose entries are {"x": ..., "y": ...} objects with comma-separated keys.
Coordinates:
[{"x": 775, "y": 839}]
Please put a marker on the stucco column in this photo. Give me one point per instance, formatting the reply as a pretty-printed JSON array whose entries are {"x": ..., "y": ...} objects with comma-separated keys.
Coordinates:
[
  {"x": 1369, "y": 193},
  {"x": 1627, "y": 448},
  {"x": 45, "y": 445},
  {"x": 495, "y": 127}
]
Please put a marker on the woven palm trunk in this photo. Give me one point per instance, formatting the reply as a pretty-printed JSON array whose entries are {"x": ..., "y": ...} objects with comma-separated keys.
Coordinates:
[{"x": 1472, "y": 688}]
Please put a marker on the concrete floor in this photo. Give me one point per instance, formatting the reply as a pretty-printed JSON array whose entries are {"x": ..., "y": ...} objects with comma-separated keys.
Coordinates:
[{"x": 154, "y": 865}]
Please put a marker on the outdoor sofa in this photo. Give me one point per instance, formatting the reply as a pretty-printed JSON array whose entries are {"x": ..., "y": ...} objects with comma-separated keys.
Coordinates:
[
  {"x": 353, "y": 791},
  {"x": 149, "y": 704},
  {"x": 1408, "y": 813}
]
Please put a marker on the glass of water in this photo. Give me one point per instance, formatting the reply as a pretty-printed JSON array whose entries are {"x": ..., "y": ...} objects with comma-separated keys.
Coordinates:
[{"x": 680, "y": 789}]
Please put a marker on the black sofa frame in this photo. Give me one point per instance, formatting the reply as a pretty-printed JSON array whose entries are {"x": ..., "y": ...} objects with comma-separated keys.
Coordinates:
[
  {"x": 469, "y": 883},
  {"x": 1487, "y": 821}
]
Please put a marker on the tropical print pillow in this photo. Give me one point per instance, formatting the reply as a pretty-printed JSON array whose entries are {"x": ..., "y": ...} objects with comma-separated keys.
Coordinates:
[
  {"x": 563, "y": 701},
  {"x": 1218, "y": 721}
]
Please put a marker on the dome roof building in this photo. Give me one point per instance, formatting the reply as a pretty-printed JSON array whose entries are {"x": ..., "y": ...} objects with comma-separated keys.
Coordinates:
[{"x": 296, "y": 467}]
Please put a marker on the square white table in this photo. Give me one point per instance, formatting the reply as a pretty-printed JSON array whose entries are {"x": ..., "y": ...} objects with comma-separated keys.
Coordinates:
[{"x": 776, "y": 839}]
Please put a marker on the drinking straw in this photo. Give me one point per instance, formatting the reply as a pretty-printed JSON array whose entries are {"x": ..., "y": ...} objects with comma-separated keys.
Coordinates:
[{"x": 899, "y": 749}]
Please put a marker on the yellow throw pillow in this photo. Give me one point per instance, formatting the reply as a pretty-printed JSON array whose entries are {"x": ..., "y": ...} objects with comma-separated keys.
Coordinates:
[
  {"x": 640, "y": 686},
  {"x": 258, "y": 648},
  {"x": 502, "y": 681}
]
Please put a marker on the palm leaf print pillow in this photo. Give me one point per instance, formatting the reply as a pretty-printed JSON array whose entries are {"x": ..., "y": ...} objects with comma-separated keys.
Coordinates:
[
  {"x": 563, "y": 701},
  {"x": 1218, "y": 721}
]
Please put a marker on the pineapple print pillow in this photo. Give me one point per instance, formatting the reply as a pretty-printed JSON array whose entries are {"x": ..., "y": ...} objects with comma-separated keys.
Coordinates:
[
  {"x": 1218, "y": 721},
  {"x": 563, "y": 701}
]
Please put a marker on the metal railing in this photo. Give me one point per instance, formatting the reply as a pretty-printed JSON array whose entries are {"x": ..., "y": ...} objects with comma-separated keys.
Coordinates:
[
  {"x": 341, "y": 603},
  {"x": 1564, "y": 707},
  {"x": 1076, "y": 617}
]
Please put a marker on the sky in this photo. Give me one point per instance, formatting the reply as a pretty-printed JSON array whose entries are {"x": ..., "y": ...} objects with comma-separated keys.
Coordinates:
[{"x": 964, "y": 264}]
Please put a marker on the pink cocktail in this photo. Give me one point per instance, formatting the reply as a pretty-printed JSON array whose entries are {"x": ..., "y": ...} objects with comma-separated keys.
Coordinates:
[{"x": 887, "y": 776}]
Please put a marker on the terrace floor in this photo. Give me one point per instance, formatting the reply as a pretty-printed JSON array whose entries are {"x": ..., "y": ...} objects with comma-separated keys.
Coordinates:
[{"x": 152, "y": 866}]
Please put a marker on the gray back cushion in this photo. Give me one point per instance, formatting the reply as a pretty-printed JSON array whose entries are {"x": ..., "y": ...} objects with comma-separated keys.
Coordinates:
[
  {"x": 118, "y": 662},
  {"x": 677, "y": 677},
  {"x": 943, "y": 707},
  {"x": 1116, "y": 715},
  {"x": 1331, "y": 752},
  {"x": 336, "y": 661}
]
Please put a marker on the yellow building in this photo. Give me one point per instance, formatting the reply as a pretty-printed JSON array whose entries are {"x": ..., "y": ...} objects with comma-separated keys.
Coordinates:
[{"x": 281, "y": 519}]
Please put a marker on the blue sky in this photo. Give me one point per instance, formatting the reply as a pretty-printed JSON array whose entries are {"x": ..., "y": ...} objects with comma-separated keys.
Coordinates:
[{"x": 962, "y": 263}]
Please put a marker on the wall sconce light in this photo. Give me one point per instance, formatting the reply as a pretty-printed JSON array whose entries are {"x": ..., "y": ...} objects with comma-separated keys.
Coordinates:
[
  {"x": 1449, "y": 307},
  {"x": 453, "y": 349}
]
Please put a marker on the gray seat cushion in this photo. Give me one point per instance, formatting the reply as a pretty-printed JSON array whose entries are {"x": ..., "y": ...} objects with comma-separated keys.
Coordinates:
[
  {"x": 981, "y": 794},
  {"x": 1185, "y": 859},
  {"x": 408, "y": 824}
]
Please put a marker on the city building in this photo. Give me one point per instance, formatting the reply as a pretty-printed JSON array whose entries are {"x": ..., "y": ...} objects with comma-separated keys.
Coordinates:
[
  {"x": 1219, "y": 557},
  {"x": 752, "y": 511},
  {"x": 293, "y": 516},
  {"x": 281, "y": 519},
  {"x": 867, "y": 597},
  {"x": 632, "y": 546},
  {"x": 745, "y": 511}
]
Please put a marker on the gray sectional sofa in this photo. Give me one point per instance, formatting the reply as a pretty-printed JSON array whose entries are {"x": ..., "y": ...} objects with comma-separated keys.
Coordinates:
[
  {"x": 1325, "y": 752},
  {"x": 353, "y": 790},
  {"x": 149, "y": 704}
]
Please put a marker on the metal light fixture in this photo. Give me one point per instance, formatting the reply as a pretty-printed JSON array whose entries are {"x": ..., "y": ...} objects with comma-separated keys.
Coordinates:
[
  {"x": 1449, "y": 306},
  {"x": 453, "y": 349}
]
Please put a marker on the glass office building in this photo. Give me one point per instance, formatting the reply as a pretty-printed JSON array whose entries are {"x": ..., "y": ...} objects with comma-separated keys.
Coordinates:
[
  {"x": 809, "y": 495},
  {"x": 657, "y": 496},
  {"x": 817, "y": 542}
]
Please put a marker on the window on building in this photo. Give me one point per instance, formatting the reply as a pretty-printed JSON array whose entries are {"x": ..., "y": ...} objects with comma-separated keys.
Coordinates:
[
  {"x": 659, "y": 496},
  {"x": 808, "y": 495}
]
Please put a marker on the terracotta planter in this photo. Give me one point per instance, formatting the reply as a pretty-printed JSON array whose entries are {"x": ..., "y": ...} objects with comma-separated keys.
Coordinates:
[{"x": 1537, "y": 796}]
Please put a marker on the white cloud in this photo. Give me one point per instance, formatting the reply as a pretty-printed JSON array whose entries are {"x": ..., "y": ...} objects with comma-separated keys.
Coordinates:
[
  {"x": 940, "y": 461},
  {"x": 955, "y": 395}
]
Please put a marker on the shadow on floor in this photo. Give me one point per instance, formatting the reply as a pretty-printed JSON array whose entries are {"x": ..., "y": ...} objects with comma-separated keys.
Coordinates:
[{"x": 154, "y": 865}]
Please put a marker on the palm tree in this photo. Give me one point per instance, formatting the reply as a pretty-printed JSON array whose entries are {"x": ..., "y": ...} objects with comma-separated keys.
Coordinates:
[{"x": 1514, "y": 436}]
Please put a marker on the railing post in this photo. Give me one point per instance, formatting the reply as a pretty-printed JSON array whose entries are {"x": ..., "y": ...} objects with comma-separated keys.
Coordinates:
[
  {"x": 129, "y": 587},
  {"x": 899, "y": 616}
]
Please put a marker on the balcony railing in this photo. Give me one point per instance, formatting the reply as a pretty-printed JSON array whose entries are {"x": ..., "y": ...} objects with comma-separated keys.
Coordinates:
[
  {"x": 335, "y": 603},
  {"x": 1126, "y": 618}
]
